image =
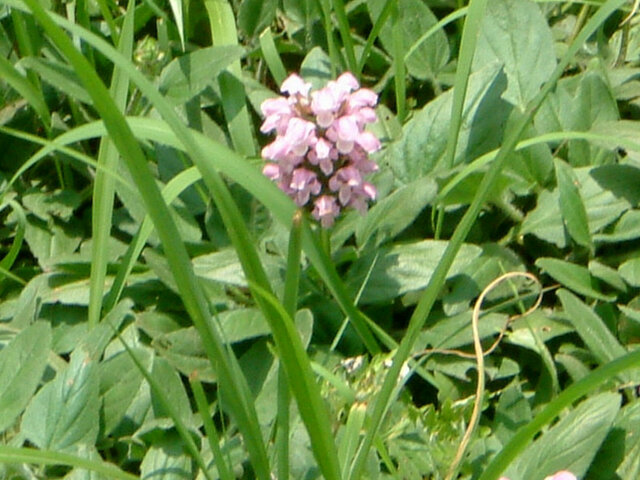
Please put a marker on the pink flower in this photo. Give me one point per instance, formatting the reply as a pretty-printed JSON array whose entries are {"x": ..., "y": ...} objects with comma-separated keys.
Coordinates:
[
  {"x": 326, "y": 210},
  {"x": 348, "y": 82},
  {"x": 295, "y": 85},
  {"x": 347, "y": 131},
  {"x": 362, "y": 98},
  {"x": 321, "y": 151},
  {"x": 562, "y": 475},
  {"x": 304, "y": 183},
  {"x": 368, "y": 141},
  {"x": 325, "y": 105},
  {"x": 277, "y": 112},
  {"x": 300, "y": 133}
]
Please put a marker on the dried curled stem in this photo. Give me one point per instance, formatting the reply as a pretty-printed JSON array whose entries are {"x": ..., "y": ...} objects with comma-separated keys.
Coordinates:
[
  {"x": 634, "y": 9},
  {"x": 479, "y": 356}
]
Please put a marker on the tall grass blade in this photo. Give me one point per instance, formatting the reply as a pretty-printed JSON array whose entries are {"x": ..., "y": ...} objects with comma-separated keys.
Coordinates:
[
  {"x": 345, "y": 34},
  {"x": 47, "y": 457},
  {"x": 223, "y": 32},
  {"x": 465, "y": 58},
  {"x": 104, "y": 185}
]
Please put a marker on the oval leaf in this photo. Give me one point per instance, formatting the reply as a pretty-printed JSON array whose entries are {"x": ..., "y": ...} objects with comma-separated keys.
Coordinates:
[{"x": 22, "y": 364}]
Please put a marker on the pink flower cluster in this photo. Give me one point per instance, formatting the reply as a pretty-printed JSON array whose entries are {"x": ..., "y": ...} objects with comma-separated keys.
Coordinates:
[
  {"x": 321, "y": 151},
  {"x": 561, "y": 475}
]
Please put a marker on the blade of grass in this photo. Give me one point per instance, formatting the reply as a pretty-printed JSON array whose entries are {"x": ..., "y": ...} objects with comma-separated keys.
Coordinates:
[
  {"x": 104, "y": 185},
  {"x": 290, "y": 303},
  {"x": 47, "y": 457},
  {"x": 345, "y": 34},
  {"x": 177, "y": 10},
  {"x": 398, "y": 65},
  {"x": 50, "y": 146},
  {"x": 351, "y": 435},
  {"x": 78, "y": 12},
  {"x": 452, "y": 17},
  {"x": 28, "y": 91},
  {"x": 373, "y": 34},
  {"x": 7, "y": 262},
  {"x": 272, "y": 57},
  {"x": 192, "y": 295},
  {"x": 575, "y": 391},
  {"x": 24, "y": 33},
  {"x": 334, "y": 53},
  {"x": 472, "y": 23},
  {"x": 170, "y": 192},
  {"x": 108, "y": 18},
  {"x": 438, "y": 277},
  {"x": 223, "y": 32},
  {"x": 211, "y": 432},
  {"x": 300, "y": 377}
]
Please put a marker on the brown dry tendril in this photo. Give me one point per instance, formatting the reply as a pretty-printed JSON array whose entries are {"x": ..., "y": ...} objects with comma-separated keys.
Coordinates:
[{"x": 479, "y": 356}]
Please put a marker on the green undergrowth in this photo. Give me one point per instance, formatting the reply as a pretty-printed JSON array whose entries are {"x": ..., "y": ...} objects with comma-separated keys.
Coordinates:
[{"x": 166, "y": 312}]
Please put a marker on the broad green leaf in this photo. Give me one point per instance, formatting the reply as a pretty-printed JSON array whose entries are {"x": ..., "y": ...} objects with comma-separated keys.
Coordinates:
[
  {"x": 64, "y": 413},
  {"x": 255, "y": 15},
  {"x": 575, "y": 366},
  {"x": 166, "y": 462},
  {"x": 389, "y": 216},
  {"x": 618, "y": 456},
  {"x": 516, "y": 34},
  {"x": 570, "y": 444},
  {"x": 602, "y": 190},
  {"x": 455, "y": 332},
  {"x": 189, "y": 74},
  {"x": 571, "y": 205},
  {"x": 120, "y": 382},
  {"x": 388, "y": 127},
  {"x": 607, "y": 274},
  {"x": 481, "y": 271},
  {"x": 58, "y": 75},
  {"x": 512, "y": 411},
  {"x": 620, "y": 179},
  {"x": 630, "y": 272},
  {"x": 424, "y": 137},
  {"x": 303, "y": 12},
  {"x": 595, "y": 334},
  {"x": 174, "y": 390},
  {"x": 575, "y": 277},
  {"x": 224, "y": 267},
  {"x": 69, "y": 324},
  {"x": 237, "y": 325},
  {"x": 316, "y": 68},
  {"x": 402, "y": 268},
  {"x": 47, "y": 205},
  {"x": 48, "y": 241},
  {"x": 89, "y": 452},
  {"x": 415, "y": 18},
  {"x": 614, "y": 131},
  {"x": 577, "y": 104},
  {"x": 22, "y": 363},
  {"x": 626, "y": 228},
  {"x": 545, "y": 327}
]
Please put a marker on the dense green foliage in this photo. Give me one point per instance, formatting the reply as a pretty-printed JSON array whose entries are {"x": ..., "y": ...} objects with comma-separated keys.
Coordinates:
[{"x": 166, "y": 314}]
